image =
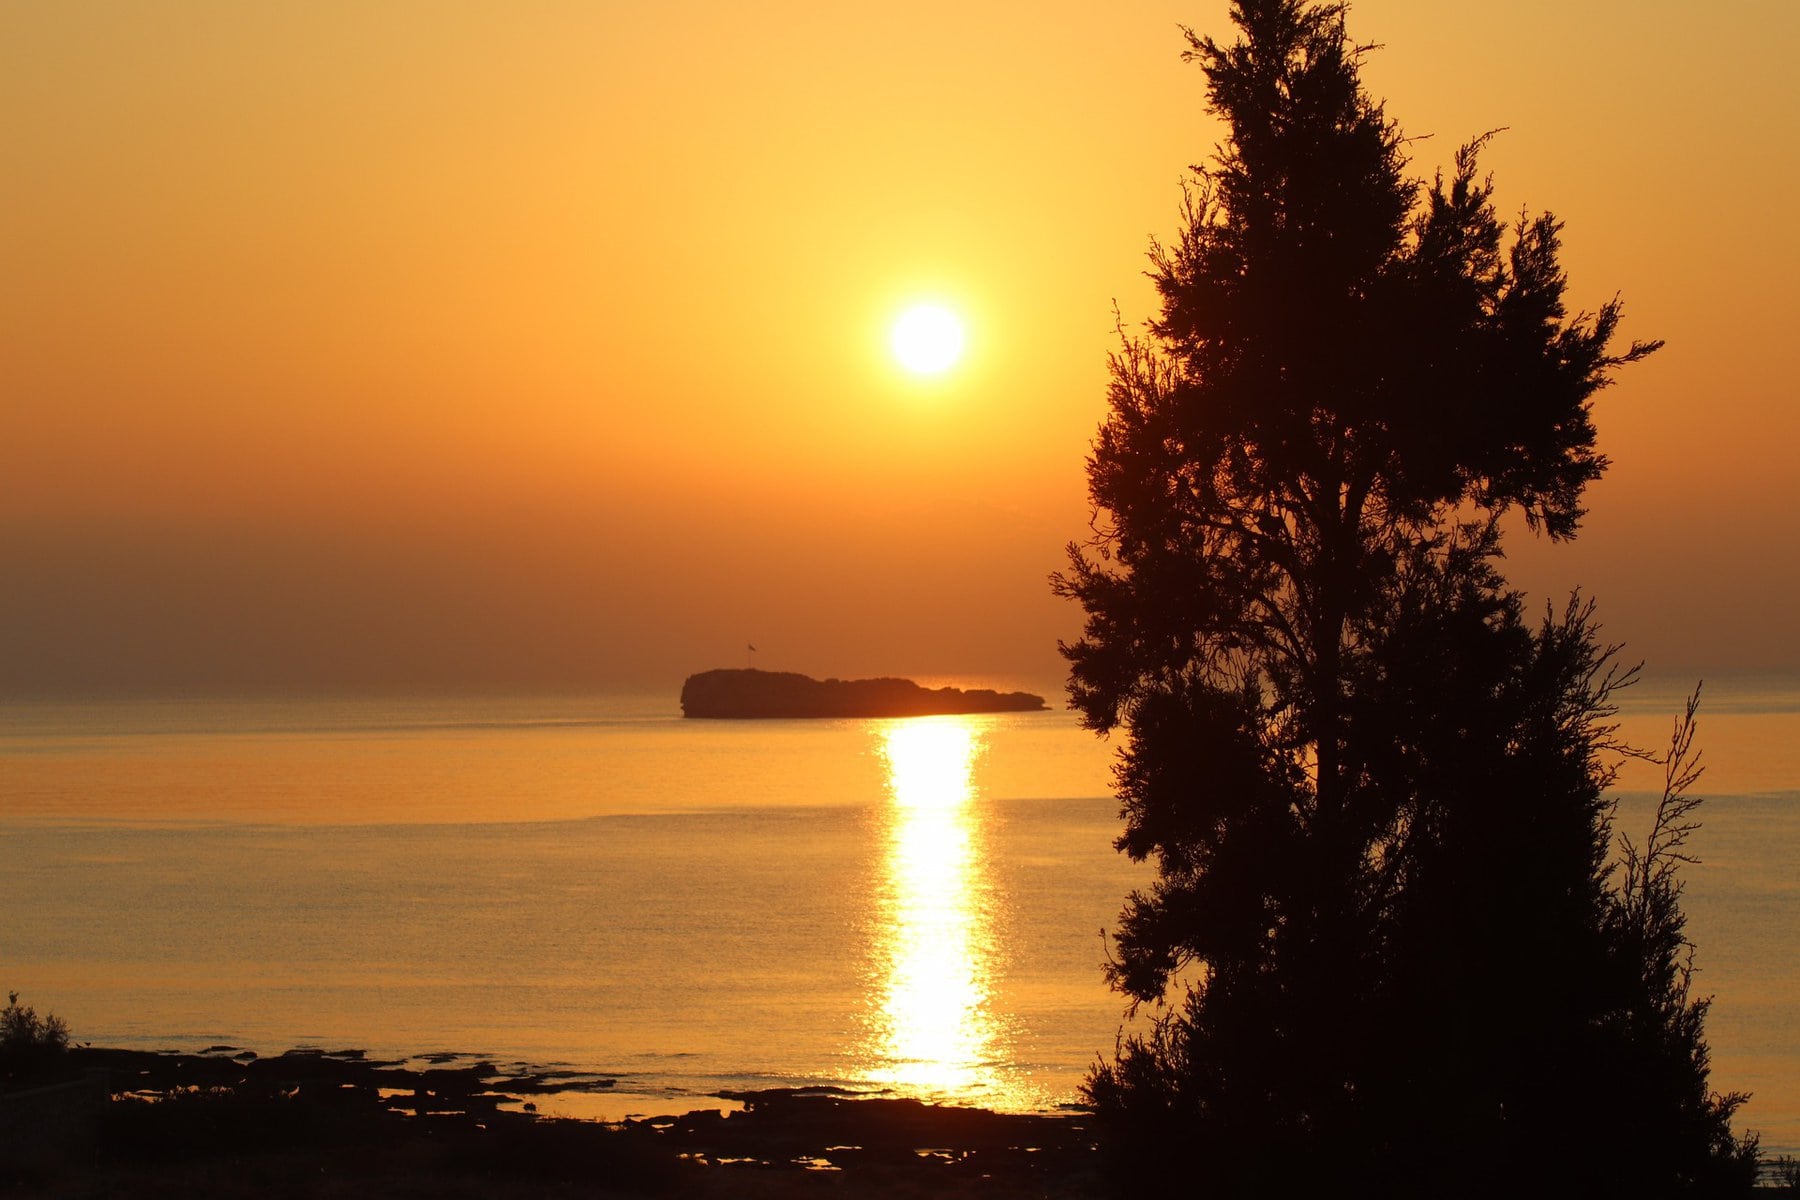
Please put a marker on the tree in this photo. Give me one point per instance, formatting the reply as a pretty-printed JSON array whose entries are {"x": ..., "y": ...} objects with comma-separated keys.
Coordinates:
[{"x": 1365, "y": 779}]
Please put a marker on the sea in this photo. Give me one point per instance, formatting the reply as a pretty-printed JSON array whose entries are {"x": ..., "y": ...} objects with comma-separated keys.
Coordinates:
[{"x": 660, "y": 910}]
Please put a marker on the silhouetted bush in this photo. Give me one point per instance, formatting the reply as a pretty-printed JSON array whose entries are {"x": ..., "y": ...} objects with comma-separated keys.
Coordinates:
[
  {"x": 1784, "y": 1172},
  {"x": 32, "y": 1048}
]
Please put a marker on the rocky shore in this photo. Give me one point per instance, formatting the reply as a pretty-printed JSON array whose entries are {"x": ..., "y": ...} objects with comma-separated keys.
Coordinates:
[{"x": 223, "y": 1122}]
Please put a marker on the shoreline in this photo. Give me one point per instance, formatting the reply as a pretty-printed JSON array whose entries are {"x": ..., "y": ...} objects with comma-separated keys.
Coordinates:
[
  {"x": 224, "y": 1121},
  {"x": 549, "y": 1086}
]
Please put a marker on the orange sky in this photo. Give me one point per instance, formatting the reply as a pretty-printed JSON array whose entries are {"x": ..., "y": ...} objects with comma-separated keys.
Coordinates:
[{"x": 444, "y": 344}]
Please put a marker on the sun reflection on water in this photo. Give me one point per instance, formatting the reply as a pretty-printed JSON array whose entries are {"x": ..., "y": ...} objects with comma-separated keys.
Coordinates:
[{"x": 935, "y": 1032}]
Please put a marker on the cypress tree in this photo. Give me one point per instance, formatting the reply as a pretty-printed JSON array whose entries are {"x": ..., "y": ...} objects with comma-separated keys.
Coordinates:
[{"x": 1383, "y": 941}]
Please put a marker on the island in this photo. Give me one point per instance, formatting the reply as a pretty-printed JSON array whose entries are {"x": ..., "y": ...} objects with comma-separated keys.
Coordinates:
[{"x": 749, "y": 694}]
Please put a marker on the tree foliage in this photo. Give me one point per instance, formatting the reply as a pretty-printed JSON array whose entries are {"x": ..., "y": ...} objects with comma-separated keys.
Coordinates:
[{"x": 1383, "y": 930}]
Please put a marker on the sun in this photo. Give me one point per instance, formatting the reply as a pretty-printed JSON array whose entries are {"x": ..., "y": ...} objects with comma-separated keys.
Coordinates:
[{"x": 927, "y": 339}]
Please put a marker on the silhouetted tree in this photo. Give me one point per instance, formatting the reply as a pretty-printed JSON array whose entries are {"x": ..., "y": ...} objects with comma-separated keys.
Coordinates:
[{"x": 1375, "y": 795}]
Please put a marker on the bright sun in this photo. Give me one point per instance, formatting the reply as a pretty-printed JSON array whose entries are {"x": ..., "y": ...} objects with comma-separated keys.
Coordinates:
[{"x": 927, "y": 339}]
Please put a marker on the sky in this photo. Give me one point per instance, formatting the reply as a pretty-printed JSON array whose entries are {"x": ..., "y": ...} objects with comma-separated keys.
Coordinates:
[{"x": 447, "y": 345}]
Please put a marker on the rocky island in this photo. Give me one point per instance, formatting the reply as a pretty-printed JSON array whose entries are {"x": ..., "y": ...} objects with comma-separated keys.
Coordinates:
[{"x": 750, "y": 693}]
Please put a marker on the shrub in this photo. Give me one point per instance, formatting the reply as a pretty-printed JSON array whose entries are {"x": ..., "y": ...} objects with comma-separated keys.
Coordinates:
[{"x": 30, "y": 1046}]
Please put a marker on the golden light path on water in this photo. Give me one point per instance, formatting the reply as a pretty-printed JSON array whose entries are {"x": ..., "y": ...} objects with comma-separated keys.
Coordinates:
[{"x": 936, "y": 954}]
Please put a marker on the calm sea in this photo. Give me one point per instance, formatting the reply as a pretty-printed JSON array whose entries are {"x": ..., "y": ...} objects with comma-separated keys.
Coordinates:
[{"x": 597, "y": 885}]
